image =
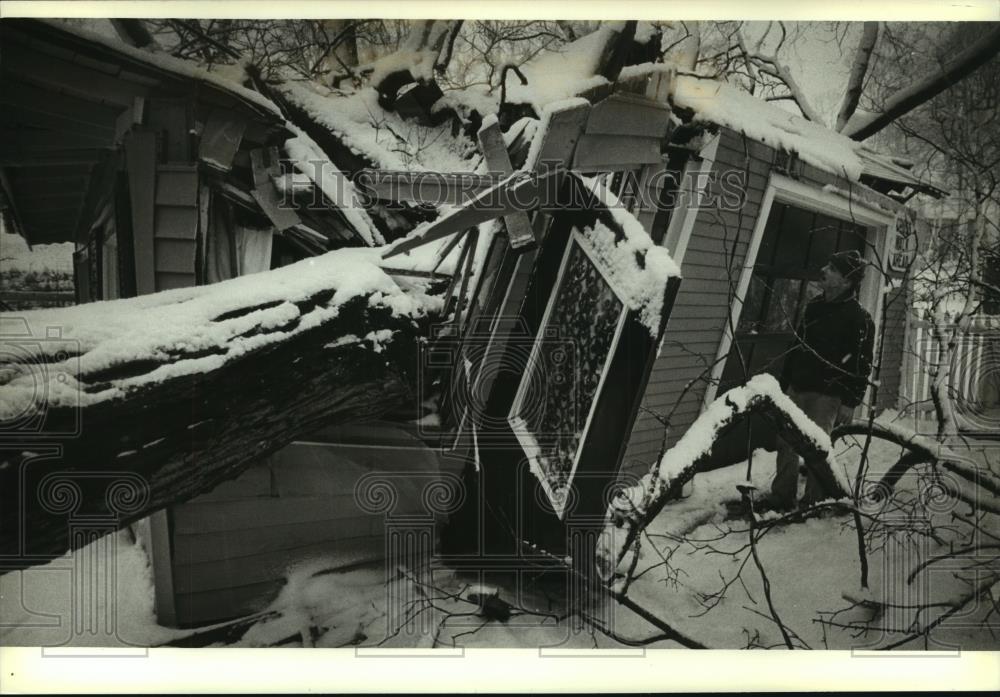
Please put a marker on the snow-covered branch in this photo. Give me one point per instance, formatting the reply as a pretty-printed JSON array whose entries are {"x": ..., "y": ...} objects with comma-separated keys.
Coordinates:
[
  {"x": 859, "y": 70},
  {"x": 635, "y": 508},
  {"x": 771, "y": 65},
  {"x": 157, "y": 394}
]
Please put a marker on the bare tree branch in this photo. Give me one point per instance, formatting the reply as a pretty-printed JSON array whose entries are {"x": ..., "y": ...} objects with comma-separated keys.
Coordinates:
[
  {"x": 912, "y": 96},
  {"x": 859, "y": 70}
]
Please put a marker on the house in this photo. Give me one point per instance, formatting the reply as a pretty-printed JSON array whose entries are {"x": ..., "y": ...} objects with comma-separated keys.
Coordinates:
[
  {"x": 677, "y": 173},
  {"x": 167, "y": 176},
  {"x": 161, "y": 173}
]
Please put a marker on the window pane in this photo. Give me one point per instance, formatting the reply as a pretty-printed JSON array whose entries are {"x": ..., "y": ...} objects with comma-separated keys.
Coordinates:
[
  {"x": 782, "y": 311},
  {"x": 754, "y": 304},
  {"x": 793, "y": 244},
  {"x": 772, "y": 234},
  {"x": 824, "y": 242},
  {"x": 561, "y": 384},
  {"x": 853, "y": 237}
]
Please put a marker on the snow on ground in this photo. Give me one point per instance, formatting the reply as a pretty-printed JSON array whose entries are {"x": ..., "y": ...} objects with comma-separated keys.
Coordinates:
[
  {"x": 15, "y": 255},
  {"x": 812, "y": 567},
  {"x": 39, "y": 608}
]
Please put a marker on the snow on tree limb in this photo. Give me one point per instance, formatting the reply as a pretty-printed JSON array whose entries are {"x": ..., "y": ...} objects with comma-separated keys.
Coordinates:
[
  {"x": 638, "y": 506},
  {"x": 770, "y": 65},
  {"x": 155, "y": 396},
  {"x": 861, "y": 127},
  {"x": 859, "y": 70},
  {"x": 923, "y": 449}
]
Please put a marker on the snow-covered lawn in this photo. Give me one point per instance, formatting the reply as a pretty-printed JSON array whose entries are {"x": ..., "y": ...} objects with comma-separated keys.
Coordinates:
[{"x": 812, "y": 566}]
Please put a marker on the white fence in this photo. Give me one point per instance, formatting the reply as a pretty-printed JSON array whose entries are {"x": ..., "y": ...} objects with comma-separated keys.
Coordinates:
[{"x": 974, "y": 383}]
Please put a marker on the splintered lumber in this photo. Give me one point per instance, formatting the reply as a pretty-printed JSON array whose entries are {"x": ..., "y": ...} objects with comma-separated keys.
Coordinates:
[
  {"x": 110, "y": 411},
  {"x": 494, "y": 149}
]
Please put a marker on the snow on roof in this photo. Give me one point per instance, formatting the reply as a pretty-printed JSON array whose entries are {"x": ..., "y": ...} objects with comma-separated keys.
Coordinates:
[
  {"x": 388, "y": 139},
  {"x": 101, "y": 335},
  {"x": 166, "y": 63},
  {"x": 716, "y": 102},
  {"x": 636, "y": 267},
  {"x": 562, "y": 73},
  {"x": 310, "y": 159}
]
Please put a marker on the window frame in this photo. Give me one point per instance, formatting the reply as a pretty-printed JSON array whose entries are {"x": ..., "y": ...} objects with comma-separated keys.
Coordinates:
[{"x": 527, "y": 440}]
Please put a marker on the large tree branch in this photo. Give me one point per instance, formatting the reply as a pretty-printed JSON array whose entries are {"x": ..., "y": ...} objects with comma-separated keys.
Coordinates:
[
  {"x": 859, "y": 70},
  {"x": 770, "y": 65},
  {"x": 147, "y": 412},
  {"x": 912, "y": 96},
  {"x": 694, "y": 453}
]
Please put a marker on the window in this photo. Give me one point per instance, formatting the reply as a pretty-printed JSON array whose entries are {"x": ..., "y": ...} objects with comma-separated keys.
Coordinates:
[{"x": 569, "y": 358}]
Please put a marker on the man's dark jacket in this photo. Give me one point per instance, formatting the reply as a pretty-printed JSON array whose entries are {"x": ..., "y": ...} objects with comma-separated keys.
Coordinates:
[{"x": 833, "y": 351}]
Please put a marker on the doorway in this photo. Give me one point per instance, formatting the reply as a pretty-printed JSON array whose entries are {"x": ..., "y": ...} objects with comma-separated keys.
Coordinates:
[{"x": 794, "y": 247}]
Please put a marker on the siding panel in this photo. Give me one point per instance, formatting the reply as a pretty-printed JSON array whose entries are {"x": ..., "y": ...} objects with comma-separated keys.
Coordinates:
[{"x": 701, "y": 310}]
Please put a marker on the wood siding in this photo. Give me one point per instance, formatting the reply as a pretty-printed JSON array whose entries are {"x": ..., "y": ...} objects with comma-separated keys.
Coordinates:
[
  {"x": 175, "y": 226},
  {"x": 232, "y": 547},
  {"x": 711, "y": 268}
]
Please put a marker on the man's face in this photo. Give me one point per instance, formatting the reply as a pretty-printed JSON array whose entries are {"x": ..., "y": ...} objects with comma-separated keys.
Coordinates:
[{"x": 832, "y": 282}]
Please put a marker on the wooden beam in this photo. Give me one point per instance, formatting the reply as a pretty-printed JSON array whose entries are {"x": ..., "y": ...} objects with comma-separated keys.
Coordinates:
[
  {"x": 519, "y": 192},
  {"x": 494, "y": 149},
  {"x": 264, "y": 192},
  {"x": 561, "y": 137},
  {"x": 140, "y": 163}
]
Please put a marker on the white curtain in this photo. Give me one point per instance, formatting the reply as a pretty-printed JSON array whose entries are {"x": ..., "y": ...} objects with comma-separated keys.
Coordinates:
[
  {"x": 233, "y": 249},
  {"x": 253, "y": 250}
]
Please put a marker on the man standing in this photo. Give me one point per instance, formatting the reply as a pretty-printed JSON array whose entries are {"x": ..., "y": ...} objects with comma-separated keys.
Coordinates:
[{"x": 826, "y": 372}]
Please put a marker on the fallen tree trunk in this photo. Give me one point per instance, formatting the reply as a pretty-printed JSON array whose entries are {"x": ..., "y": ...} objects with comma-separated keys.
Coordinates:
[{"x": 101, "y": 443}]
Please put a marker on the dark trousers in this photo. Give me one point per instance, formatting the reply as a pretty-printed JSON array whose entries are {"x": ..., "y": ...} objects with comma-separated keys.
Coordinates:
[{"x": 823, "y": 410}]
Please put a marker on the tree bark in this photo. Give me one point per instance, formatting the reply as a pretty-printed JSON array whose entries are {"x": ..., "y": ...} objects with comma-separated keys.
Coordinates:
[
  {"x": 165, "y": 442},
  {"x": 908, "y": 98},
  {"x": 859, "y": 70}
]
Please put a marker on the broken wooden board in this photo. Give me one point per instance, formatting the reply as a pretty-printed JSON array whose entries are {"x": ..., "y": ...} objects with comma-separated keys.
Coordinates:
[
  {"x": 629, "y": 115},
  {"x": 220, "y": 139},
  {"x": 519, "y": 192},
  {"x": 606, "y": 153},
  {"x": 498, "y": 161},
  {"x": 565, "y": 126},
  {"x": 264, "y": 192}
]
